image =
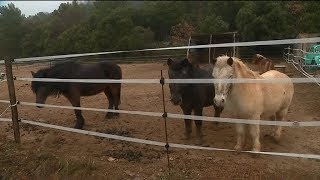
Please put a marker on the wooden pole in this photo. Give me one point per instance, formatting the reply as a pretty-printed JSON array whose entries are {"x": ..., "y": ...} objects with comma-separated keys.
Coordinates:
[
  {"x": 210, "y": 49},
  {"x": 188, "y": 45},
  {"x": 13, "y": 101},
  {"x": 165, "y": 120},
  {"x": 234, "y": 48}
]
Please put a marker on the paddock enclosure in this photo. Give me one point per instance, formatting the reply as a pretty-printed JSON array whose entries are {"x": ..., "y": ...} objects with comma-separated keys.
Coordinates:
[{"x": 94, "y": 157}]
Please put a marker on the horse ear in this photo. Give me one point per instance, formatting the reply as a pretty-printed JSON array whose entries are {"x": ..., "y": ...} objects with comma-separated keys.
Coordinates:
[
  {"x": 169, "y": 61},
  {"x": 186, "y": 61},
  {"x": 230, "y": 61},
  {"x": 214, "y": 60},
  {"x": 33, "y": 73}
]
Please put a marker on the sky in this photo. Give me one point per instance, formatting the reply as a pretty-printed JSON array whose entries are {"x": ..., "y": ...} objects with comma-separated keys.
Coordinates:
[{"x": 33, "y": 7}]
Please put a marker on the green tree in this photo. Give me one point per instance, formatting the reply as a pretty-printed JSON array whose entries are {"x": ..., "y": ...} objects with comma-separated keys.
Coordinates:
[
  {"x": 213, "y": 24},
  {"x": 181, "y": 32},
  {"x": 264, "y": 21},
  {"x": 11, "y": 31},
  {"x": 118, "y": 25},
  {"x": 309, "y": 22}
]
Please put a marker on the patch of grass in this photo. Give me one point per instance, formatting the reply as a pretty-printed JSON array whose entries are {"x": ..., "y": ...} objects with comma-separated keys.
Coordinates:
[
  {"x": 15, "y": 163},
  {"x": 62, "y": 168},
  {"x": 177, "y": 174}
]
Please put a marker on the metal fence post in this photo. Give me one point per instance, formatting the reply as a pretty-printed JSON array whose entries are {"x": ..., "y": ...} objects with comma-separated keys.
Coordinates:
[{"x": 165, "y": 120}]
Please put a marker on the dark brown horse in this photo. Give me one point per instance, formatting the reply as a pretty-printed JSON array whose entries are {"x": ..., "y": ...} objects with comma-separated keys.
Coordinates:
[
  {"x": 191, "y": 97},
  {"x": 264, "y": 64},
  {"x": 73, "y": 91}
]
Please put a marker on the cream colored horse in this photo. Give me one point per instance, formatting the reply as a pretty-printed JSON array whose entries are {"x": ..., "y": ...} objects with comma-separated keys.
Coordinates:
[{"x": 251, "y": 100}]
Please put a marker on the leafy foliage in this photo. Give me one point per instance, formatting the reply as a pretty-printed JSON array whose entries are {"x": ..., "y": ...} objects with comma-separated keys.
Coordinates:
[{"x": 122, "y": 25}]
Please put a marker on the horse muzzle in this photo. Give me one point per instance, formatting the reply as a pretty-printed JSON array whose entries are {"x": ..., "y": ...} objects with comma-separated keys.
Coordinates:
[
  {"x": 39, "y": 106},
  {"x": 219, "y": 102}
]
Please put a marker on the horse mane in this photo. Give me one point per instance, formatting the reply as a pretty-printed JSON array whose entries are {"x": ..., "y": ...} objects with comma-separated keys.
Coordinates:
[
  {"x": 240, "y": 69},
  {"x": 259, "y": 56},
  {"x": 195, "y": 72},
  {"x": 243, "y": 70}
]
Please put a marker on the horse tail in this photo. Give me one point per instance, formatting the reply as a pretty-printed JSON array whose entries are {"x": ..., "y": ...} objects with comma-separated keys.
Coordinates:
[
  {"x": 119, "y": 94},
  {"x": 119, "y": 86}
]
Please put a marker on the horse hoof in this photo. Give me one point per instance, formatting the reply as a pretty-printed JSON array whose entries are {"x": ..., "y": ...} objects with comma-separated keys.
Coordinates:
[
  {"x": 77, "y": 126},
  {"x": 199, "y": 142},
  {"x": 205, "y": 145},
  {"x": 238, "y": 148},
  {"x": 276, "y": 138},
  {"x": 109, "y": 116},
  {"x": 187, "y": 136},
  {"x": 236, "y": 152},
  {"x": 255, "y": 153},
  {"x": 256, "y": 148},
  {"x": 116, "y": 115}
]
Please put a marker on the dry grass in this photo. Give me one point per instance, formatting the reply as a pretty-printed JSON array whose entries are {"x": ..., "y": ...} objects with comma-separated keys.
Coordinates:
[{"x": 16, "y": 163}]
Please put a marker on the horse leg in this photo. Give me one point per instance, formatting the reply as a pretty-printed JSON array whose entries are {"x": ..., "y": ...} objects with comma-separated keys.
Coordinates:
[
  {"x": 75, "y": 101},
  {"x": 116, "y": 91},
  {"x": 107, "y": 92},
  {"x": 255, "y": 134},
  {"x": 279, "y": 117},
  {"x": 187, "y": 123},
  {"x": 240, "y": 128},
  {"x": 199, "y": 141}
]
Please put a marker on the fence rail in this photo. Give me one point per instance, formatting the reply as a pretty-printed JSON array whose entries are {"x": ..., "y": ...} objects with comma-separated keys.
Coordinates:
[
  {"x": 237, "y": 44},
  {"x": 175, "y": 81},
  {"x": 168, "y": 81},
  {"x": 156, "y": 143},
  {"x": 289, "y": 123}
]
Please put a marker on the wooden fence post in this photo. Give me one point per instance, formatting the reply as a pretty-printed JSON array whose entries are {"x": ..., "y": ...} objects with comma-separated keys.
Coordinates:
[{"x": 13, "y": 101}]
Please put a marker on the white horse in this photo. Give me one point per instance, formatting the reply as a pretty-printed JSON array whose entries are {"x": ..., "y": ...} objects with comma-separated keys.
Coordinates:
[{"x": 251, "y": 100}]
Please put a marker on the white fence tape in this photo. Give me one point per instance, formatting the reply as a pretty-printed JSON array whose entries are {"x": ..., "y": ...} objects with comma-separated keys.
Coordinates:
[
  {"x": 299, "y": 64},
  {"x": 238, "y": 44},
  {"x": 5, "y": 120},
  {"x": 113, "y": 81},
  {"x": 156, "y": 143},
  {"x": 5, "y": 110},
  {"x": 176, "y": 81},
  {"x": 181, "y": 116}
]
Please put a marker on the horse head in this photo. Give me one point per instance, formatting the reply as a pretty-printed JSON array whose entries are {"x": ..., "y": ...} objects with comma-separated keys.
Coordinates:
[
  {"x": 41, "y": 89},
  {"x": 222, "y": 69},
  {"x": 181, "y": 69},
  {"x": 257, "y": 58}
]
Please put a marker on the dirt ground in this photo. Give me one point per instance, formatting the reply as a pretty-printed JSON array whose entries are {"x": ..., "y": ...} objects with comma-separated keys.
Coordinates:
[{"x": 52, "y": 154}]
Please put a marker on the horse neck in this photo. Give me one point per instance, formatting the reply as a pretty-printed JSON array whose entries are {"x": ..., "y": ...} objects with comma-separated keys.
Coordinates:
[{"x": 242, "y": 71}]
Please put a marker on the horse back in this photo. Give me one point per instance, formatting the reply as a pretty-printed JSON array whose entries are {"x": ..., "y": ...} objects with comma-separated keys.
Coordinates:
[
  {"x": 277, "y": 95},
  {"x": 102, "y": 70},
  {"x": 112, "y": 69}
]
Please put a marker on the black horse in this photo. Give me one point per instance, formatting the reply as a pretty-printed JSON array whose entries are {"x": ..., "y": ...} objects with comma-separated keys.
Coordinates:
[
  {"x": 191, "y": 97},
  {"x": 73, "y": 91}
]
